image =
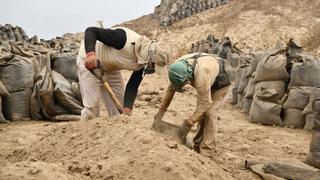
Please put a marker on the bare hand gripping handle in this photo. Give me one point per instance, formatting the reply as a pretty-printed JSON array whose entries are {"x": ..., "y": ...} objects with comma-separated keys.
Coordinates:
[{"x": 98, "y": 73}]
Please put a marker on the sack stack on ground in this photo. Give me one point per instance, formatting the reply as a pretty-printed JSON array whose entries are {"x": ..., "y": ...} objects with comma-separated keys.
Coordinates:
[
  {"x": 304, "y": 90},
  {"x": 270, "y": 80},
  {"x": 278, "y": 86},
  {"x": 25, "y": 72},
  {"x": 250, "y": 88}
]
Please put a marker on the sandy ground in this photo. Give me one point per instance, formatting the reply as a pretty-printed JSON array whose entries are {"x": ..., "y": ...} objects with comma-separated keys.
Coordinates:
[{"x": 127, "y": 148}]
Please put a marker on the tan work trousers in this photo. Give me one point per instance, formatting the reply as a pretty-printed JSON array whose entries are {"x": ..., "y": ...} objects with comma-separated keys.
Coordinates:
[
  {"x": 205, "y": 138},
  {"x": 93, "y": 91}
]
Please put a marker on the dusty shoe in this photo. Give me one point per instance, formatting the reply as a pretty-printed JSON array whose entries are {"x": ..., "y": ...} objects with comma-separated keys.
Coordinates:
[{"x": 196, "y": 149}]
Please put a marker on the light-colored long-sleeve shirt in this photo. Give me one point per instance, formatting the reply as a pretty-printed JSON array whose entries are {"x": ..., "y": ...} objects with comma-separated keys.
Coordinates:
[
  {"x": 113, "y": 59},
  {"x": 205, "y": 73}
]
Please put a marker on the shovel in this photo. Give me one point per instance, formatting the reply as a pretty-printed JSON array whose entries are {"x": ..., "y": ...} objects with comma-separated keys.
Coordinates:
[
  {"x": 168, "y": 129},
  {"x": 98, "y": 73}
]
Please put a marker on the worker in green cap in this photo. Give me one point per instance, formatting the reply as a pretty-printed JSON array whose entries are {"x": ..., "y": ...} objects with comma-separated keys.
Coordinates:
[{"x": 206, "y": 73}]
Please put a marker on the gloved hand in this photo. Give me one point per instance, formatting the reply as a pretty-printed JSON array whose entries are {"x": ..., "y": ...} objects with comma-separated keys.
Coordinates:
[
  {"x": 91, "y": 61},
  {"x": 159, "y": 114},
  {"x": 127, "y": 111}
]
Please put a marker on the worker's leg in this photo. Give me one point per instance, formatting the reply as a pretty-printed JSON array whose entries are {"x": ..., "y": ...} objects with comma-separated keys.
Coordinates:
[
  {"x": 210, "y": 129},
  {"x": 90, "y": 92},
  {"x": 208, "y": 142},
  {"x": 115, "y": 81},
  {"x": 199, "y": 135}
]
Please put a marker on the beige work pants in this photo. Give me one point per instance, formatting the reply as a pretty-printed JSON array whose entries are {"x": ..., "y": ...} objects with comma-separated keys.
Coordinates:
[
  {"x": 93, "y": 92},
  {"x": 205, "y": 138}
]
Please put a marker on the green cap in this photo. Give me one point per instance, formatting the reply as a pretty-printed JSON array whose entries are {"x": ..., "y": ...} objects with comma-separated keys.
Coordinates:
[{"x": 179, "y": 73}]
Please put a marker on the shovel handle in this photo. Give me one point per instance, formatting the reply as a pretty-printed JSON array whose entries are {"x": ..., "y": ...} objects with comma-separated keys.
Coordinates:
[
  {"x": 113, "y": 96},
  {"x": 98, "y": 73}
]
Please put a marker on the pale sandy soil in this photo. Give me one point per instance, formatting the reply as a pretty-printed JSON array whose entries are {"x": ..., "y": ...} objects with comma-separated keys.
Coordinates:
[{"x": 127, "y": 147}]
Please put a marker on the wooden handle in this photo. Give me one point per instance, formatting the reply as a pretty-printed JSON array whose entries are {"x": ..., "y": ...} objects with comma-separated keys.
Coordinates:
[{"x": 113, "y": 96}]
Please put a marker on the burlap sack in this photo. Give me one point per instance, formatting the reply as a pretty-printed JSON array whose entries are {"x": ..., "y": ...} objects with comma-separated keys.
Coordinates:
[
  {"x": 298, "y": 98},
  {"x": 224, "y": 47},
  {"x": 64, "y": 95},
  {"x": 244, "y": 79},
  {"x": 239, "y": 101},
  {"x": 234, "y": 95},
  {"x": 65, "y": 64},
  {"x": 17, "y": 74},
  {"x": 293, "y": 49},
  {"x": 277, "y": 86},
  {"x": 17, "y": 105},
  {"x": 255, "y": 58},
  {"x": 246, "y": 105},
  {"x": 309, "y": 121},
  {"x": 272, "y": 66},
  {"x": 233, "y": 58},
  {"x": 315, "y": 95},
  {"x": 305, "y": 71},
  {"x": 249, "y": 90},
  {"x": 293, "y": 118},
  {"x": 266, "y": 113}
]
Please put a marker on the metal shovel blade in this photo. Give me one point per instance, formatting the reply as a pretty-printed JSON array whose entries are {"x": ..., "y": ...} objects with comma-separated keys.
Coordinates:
[{"x": 168, "y": 129}]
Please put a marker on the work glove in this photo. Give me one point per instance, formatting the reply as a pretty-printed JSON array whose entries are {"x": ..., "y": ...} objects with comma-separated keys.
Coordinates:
[
  {"x": 159, "y": 114},
  {"x": 127, "y": 111},
  {"x": 91, "y": 61}
]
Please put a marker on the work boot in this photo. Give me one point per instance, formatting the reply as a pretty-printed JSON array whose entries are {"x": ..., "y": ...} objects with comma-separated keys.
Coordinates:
[
  {"x": 184, "y": 128},
  {"x": 313, "y": 158}
]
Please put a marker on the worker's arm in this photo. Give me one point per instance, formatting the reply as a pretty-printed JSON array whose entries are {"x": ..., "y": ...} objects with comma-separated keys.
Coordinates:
[
  {"x": 114, "y": 38},
  {"x": 168, "y": 95},
  {"x": 111, "y": 37},
  {"x": 132, "y": 90},
  {"x": 203, "y": 105}
]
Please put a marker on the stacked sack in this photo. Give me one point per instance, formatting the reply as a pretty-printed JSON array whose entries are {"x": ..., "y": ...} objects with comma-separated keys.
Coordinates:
[
  {"x": 55, "y": 94},
  {"x": 42, "y": 82},
  {"x": 11, "y": 33},
  {"x": 270, "y": 86},
  {"x": 279, "y": 86},
  {"x": 17, "y": 73},
  {"x": 241, "y": 82},
  {"x": 249, "y": 90},
  {"x": 174, "y": 10},
  {"x": 212, "y": 45},
  {"x": 302, "y": 104}
]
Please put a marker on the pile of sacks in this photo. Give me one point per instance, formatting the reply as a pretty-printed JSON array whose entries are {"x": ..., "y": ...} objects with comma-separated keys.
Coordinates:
[
  {"x": 38, "y": 81},
  {"x": 170, "y": 11},
  {"x": 279, "y": 86},
  {"x": 10, "y": 33}
]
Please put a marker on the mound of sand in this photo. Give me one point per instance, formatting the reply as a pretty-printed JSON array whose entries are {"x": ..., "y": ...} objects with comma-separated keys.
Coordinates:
[
  {"x": 127, "y": 148},
  {"x": 120, "y": 148}
]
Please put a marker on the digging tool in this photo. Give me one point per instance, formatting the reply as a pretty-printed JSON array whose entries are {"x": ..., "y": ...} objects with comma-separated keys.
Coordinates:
[
  {"x": 98, "y": 73},
  {"x": 168, "y": 129}
]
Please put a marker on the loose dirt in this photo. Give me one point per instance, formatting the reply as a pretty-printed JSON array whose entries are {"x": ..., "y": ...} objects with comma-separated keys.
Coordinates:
[{"x": 127, "y": 148}]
